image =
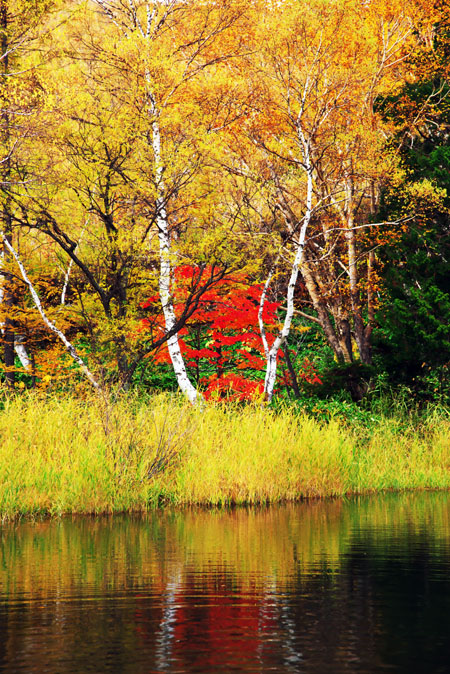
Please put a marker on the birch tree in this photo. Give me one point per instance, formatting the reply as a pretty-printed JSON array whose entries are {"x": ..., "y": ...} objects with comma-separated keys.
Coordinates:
[
  {"x": 322, "y": 144},
  {"x": 164, "y": 48},
  {"x": 49, "y": 323},
  {"x": 23, "y": 26}
]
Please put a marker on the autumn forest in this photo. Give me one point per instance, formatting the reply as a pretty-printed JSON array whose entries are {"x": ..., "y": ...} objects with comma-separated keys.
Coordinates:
[
  {"x": 236, "y": 199},
  {"x": 238, "y": 204}
]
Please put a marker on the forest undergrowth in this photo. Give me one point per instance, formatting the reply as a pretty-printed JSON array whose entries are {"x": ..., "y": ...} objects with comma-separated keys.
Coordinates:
[{"x": 124, "y": 453}]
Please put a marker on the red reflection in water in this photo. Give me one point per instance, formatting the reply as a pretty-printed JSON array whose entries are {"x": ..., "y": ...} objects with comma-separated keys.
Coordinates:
[{"x": 212, "y": 625}]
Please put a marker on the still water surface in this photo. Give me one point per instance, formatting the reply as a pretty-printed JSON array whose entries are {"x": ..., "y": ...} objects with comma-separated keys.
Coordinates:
[{"x": 343, "y": 586}]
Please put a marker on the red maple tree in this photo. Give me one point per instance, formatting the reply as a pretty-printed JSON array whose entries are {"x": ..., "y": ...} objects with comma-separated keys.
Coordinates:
[{"x": 221, "y": 343}]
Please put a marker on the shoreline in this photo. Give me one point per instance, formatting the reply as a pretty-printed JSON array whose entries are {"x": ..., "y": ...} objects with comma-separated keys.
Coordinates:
[{"x": 44, "y": 516}]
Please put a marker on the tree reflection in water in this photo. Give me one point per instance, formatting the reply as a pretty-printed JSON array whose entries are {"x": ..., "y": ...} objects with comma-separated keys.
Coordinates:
[{"x": 352, "y": 586}]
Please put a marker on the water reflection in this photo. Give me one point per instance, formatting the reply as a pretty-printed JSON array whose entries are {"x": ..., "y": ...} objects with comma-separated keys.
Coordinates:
[{"x": 356, "y": 586}]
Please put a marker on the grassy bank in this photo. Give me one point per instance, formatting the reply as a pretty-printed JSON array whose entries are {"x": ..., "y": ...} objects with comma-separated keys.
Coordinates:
[{"x": 89, "y": 456}]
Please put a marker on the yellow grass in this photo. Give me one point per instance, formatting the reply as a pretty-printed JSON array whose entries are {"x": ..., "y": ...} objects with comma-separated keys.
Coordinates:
[{"x": 89, "y": 456}]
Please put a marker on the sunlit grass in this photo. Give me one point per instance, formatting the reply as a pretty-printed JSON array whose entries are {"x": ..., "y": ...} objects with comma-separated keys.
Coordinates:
[{"x": 65, "y": 455}]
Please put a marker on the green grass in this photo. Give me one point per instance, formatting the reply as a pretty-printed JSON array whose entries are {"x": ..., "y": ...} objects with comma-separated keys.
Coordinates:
[{"x": 67, "y": 455}]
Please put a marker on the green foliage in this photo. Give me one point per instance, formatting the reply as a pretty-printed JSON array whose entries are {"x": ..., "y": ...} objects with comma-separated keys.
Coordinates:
[
  {"x": 154, "y": 377},
  {"x": 353, "y": 378},
  {"x": 412, "y": 341}
]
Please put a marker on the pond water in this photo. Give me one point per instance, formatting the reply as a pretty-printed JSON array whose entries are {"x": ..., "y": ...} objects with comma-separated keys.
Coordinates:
[{"x": 341, "y": 586}]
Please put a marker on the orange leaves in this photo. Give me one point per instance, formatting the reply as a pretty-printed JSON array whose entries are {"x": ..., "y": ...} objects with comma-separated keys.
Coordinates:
[{"x": 232, "y": 387}]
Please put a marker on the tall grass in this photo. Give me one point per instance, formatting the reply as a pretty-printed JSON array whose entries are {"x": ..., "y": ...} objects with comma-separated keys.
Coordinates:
[{"x": 64, "y": 455}]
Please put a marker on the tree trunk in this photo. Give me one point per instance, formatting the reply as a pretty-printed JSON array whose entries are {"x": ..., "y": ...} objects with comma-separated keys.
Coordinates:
[
  {"x": 8, "y": 296},
  {"x": 355, "y": 299},
  {"x": 272, "y": 353},
  {"x": 21, "y": 351},
  {"x": 165, "y": 273},
  {"x": 8, "y": 332},
  {"x": 291, "y": 370}
]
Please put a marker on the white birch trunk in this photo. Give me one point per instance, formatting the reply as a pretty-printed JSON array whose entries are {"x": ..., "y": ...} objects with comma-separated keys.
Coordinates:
[
  {"x": 165, "y": 272},
  {"x": 162, "y": 222},
  {"x": 262, "y": 301},
  {"x": 21, "y": 351},
  {"x": 70, "y": 348},
  {"x": 66, "y": 282},
  {"x": 272, "y": 353},
  {"x": 19, "y": 345}
]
